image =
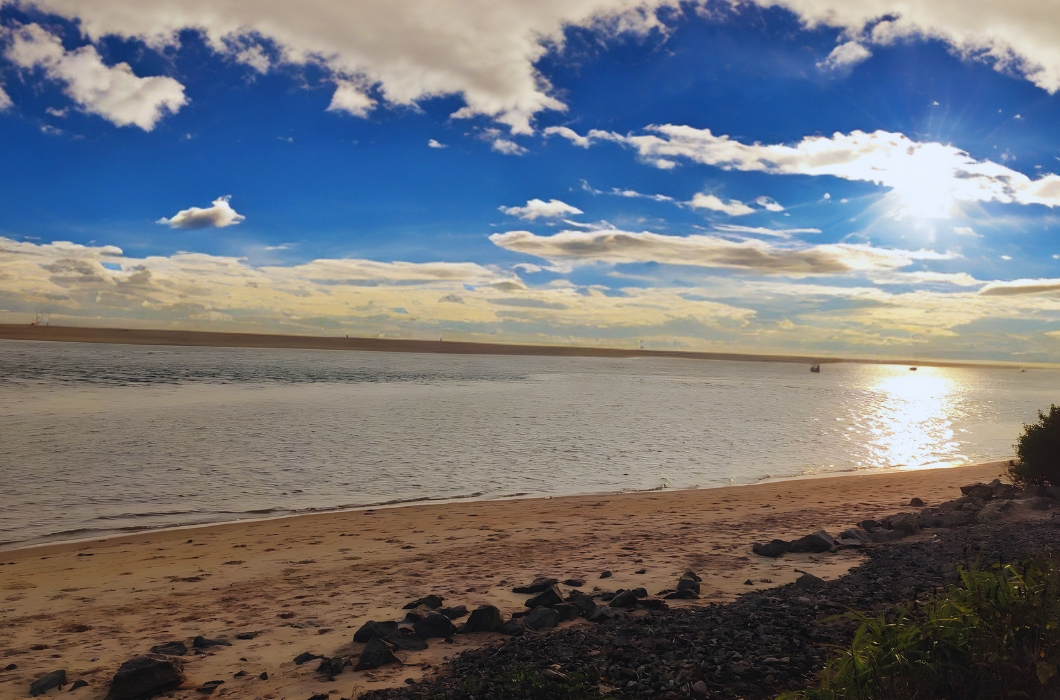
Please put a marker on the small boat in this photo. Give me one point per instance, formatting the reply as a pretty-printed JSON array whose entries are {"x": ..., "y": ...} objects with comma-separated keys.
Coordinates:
[
  {"x": 912, "y": 369},
  {"x": 815, "y": 368}
]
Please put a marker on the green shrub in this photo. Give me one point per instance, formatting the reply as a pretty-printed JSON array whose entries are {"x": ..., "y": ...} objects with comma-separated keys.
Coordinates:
[
  {"x": 1037, "y": 460},
  {"x": 995, "y": 635}
]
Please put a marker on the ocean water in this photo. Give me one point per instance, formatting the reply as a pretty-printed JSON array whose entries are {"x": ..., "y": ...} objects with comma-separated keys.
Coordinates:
[{"x": 96, "y": 439}]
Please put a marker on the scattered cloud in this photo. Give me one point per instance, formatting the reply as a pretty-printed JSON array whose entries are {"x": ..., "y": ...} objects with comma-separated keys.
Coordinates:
[
  {"x": 507, "y": 147},
  {"x": 255, "y": 57},
  {"x": 1018, "y": 287},
  {"x": 538, "y": 209},
  {"x": 431, "y": 143},
  {"x": 966, "y": 231},
  {"x": 112, "y": 92},
  {"x": 769, "y": 204},
  {"x": 350, "y": 97},
  {"x": 5, "y": 100},
  {"x": 219, "y": 215},
  {"x": 845, "y": 56},
  {"x": 569, "y": 134},
  {"x": 709, "y": 201},
  {"x": 618, "y": 247},
  {"x": 763, "y": 231}
]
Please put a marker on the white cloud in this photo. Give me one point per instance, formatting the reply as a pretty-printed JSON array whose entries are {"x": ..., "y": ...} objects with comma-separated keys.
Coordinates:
[
  {"x": 617, "y": 247},
  {"x": 538, "y": 208},
  {"x": 409, "y": 51},
  {"x": 761, "y": 230},
  {"x": 1020, "y": 36},
  {"x": 350, "y": 98},
  {"x": 927, "y": 178},
  {"x": 966, "y": 231},
  {"x": 769, "y": 204},
  {"x": 431, "y": 143},
  {"x": 219, "y": 215},
  {"x": 255, "y": 57},
  {"x": 5, "y": 100},
  {"x": 845, "y": 56},
  {"x": 709, "y": 201},
  {"x": 569, "y": 134},
  {"x": 112, "y": 92},
  {"x": 507, "y": 147},
  {"x": 1018, "y": 287}
]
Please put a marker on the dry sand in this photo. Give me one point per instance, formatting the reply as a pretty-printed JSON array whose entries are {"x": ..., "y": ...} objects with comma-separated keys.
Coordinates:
[{"x": 307, "y": 582}]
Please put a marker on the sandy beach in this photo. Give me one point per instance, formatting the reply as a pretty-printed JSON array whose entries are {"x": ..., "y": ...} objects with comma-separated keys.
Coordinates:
[{"x": 306, "y": 583}]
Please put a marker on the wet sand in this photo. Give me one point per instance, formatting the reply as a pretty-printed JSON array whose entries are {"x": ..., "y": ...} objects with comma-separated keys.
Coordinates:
[{"x": 306, "y": 583}]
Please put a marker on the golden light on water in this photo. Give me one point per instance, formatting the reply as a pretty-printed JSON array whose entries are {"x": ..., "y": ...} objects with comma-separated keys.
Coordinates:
[{"x": 912, "y": 424}]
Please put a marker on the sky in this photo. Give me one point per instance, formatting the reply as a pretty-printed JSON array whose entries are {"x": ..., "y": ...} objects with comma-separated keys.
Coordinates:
[{"x": 824, "y": 177}]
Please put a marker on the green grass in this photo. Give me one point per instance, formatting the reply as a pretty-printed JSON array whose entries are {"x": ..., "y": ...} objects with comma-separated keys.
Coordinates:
[{"x": 993, "y": 635}]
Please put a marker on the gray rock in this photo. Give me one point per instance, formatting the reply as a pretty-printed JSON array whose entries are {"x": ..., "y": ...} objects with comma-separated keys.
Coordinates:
[
  {"x": 981, "y": 491},
  {"x": 584, "y": 603},
  {"x": 547, "y": 598},
  {"x": 916, "y": 502},
  {"x": 202, "y": 642},
  {"x": 419, "y": 613},
  {"x": 957, "y": 518},
  {"x": 512, "y": 628},
  {"x": 331, "y": 667},
  {"x": 79, "y": 683},
  {"x": 1039, "y": 503},
  {"x": 538, "y": 585},
  {"x": 372, "y": 629},
  {"x": 405, "y": 639},
  {"x": 146, "y": 676},
  {"x": 603, "y": 614},
  {"x": 454, "y": 613},
  {"x": 55, "y": 679},
  {"x": 304, "y": 657},
  {"x": 567, "y": 611},
  {"x": 434, "y": 626},
  {"x": 688, "y": 584},
  {"x": 654, "y": 604},
  {"x": 882, "y": 535},
  {"x": 541, "y": 618},
  {"x": 773, "y": 549},
  {"x": 855, "y": 534},
  {"x": 868, "y": 525},
  {"x": 816, "y": 542},
  {"x": 808, "y": 581},
  {"x": 692, "y": 575},
  {"x": 906, "y": 522},
  {"x": 170, "y": 649},
  {"x": 625, "y": 599},
  {"x": 485, "y": 618},
  {"x": 376, "y": 654},
  {"x": 640, "y": 592},
  {"x": 431, "y": 601},
  {"x": 685, "y": 594}
]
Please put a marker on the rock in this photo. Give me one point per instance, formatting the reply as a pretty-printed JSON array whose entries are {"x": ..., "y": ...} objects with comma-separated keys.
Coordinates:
[
  {"x": 431, "y": 601},
  {"x": 583, "y": 603},
  {"x": 855, "y": 534},
  {"x": 808, "y": 581},
  {"x": 247, "y": 635},
  {"x": 773, "y": 549},
  {"x": 512, "y": 628},
  {"x": 319, "y": 696},
  {"x": 843, "y": 543},
  {"x": 405, "y": 639},
  {"x": 434, "y": 626},
  {"x": 654, "y": 604},
  {"x": 145, "y": 676},
  {"x": 567, "y": 611},
  {"x": 55, "y": 679},
  {"x": 625, "y": 599},
  {"x": 982, "y": 492},
  {"x": 640, "y": 592},
  {"x": 748, "y": 582},
  {"x": 202, "y": 642},
  {"x": 688, "y": 584},
  {"x": 239, "y": 674},
  {"x": 10, "y": 667},
  {"x": 372, "y": 629},
  {"x": 868, "y": 525},
  {"x": 699, "y": 689},
  {"x": 538, "y": 585},
  {"x": 331, "y": 667},
  {"x": 816, "y": 542},
  {"x": 305, "y": 656},
  {"x": 547, "y": 598},
  {"x": 606, "y": 574},
  {"x": 170, "y": 649},
  {"x": 1051, "y": 491},
  {"x": 484, "y": 618},
  {"x": 1008, "y": 492},
  {"x": 376, "y": 654},
  {"x": 906, "y": 522},
  {"x": 916, "y": 502},
  {"x": 1039, "y": 503},
  {"x": 692, "y": 575},
  {"x": 419, "y": 613},
  {"x": 574, "y": 582},
  {"x": 208, "y": 687},
  {"x": 957, "y": 518},
  {"x": 881, "y": 535},
  {"x": 993, "y": 511},
  {"x": 541, "y": 618},
  {"x": 263, "y": 676},
  {"x": 79, "y": 683},
  {"x": 684, "y": 594},
  {"x": 454, "y": 613},
  {"x": 930, "y": 517},
  {"x": 602, "y": 614}
]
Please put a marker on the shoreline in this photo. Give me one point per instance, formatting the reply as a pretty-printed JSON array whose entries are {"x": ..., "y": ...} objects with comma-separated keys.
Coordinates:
[
  {"x": 139, "y": 336},
  {"x": 103, "y": 534},
  {"x": 306, "y": 583}
]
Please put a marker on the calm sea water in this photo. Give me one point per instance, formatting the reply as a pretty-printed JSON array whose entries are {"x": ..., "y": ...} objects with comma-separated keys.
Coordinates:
[{"x": 97, "y": 439}]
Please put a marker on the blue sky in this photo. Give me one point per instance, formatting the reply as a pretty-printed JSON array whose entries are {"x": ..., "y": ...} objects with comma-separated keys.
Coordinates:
[{"x": 804, "y": 176}]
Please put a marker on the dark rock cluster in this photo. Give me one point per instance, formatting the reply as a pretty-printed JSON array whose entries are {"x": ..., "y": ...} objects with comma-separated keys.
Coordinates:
[{"x": 762, "y": 644}]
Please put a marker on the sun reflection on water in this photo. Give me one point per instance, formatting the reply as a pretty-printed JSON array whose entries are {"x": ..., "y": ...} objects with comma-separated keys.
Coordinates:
[{"x": 911, "y": 420}]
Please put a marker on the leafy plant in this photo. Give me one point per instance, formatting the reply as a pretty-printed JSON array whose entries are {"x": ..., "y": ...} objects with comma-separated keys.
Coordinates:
[
  {"x": 994, "y": 635},
  {"x": 1037, "y": 460}
]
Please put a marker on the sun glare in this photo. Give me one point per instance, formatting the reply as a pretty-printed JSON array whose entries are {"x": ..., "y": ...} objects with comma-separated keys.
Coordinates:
[{"x": 911, "y": 423}]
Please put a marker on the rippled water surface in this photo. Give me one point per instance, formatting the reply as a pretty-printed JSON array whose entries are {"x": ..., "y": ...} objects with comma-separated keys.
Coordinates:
[{"x": 98, "y": 438}]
